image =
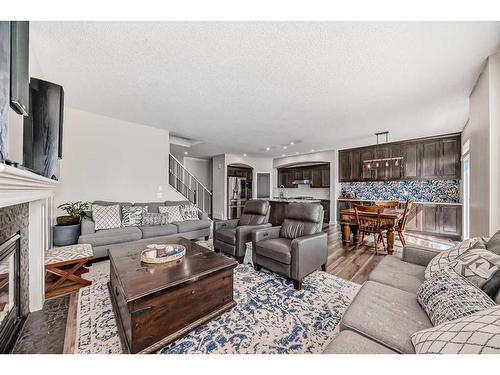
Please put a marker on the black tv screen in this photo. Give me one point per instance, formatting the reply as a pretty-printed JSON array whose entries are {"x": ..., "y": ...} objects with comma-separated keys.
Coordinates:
[{"x": 42, "y": 137}]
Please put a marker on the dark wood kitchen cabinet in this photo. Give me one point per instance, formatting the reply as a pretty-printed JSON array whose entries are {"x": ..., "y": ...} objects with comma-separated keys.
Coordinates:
[
  {"x": 319, "y": 175},
  {"x": 426, "y": 158},
  {"x": 436, "y": 219}
]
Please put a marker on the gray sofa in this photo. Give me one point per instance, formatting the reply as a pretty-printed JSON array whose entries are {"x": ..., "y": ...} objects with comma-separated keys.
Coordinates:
[
  {"x": 105, "y": 239},
  {"x": 385, "y": 312}
]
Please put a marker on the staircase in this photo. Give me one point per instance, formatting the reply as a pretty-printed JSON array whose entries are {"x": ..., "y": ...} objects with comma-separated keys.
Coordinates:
[{"x": 189, "y": 186}]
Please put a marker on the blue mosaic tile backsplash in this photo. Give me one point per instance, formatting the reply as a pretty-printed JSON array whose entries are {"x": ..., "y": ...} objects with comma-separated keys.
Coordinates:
[{"x": 439, "y": 191}]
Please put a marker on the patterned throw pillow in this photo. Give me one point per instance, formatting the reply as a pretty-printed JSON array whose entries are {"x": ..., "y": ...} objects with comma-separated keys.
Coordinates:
[
  {"x": 106, "y": 217},
  {"x": 443, "y": 259},
  {"x": 478, "y": 333},
  {"x": 189, "y": 212},
  {"x": 480, "y": 267},
  {"x": 447, "y": 296},
  {"x": 173, "y": 212},
  {"x": 132, "y": 215},
  {"x": 154, "y": 218}
]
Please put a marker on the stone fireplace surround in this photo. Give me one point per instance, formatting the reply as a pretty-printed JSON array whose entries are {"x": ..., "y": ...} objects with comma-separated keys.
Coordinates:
[{"x": 26, "y": 205}]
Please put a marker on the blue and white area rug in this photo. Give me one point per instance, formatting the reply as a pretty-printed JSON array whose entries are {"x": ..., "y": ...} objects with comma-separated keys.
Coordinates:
[{"x": 270, "y": 316}]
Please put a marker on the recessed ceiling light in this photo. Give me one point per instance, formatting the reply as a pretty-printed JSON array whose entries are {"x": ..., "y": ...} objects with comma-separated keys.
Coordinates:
[
  {"x": 186, "y": 153},
  {"x": 292, "y": 143},
  {"x": 284, "y": 147},
  {"x": 296, "y": 153},
  {"x": 283, "y": 155},
  {"x": 244, "y": 155},
  {"x": 312, "y": 150},
  {"x": 268, "y": 148}
]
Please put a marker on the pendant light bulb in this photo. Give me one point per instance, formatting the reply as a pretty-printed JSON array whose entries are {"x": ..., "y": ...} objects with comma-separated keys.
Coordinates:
[
  {"x": 377, "y": 164},
  {"x": 386, "y": 163},
  {"x": 396, "y": 163}
]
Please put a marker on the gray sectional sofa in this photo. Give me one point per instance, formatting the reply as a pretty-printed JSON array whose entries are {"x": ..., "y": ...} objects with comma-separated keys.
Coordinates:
[
  {"x": 103, "y": 240},
  {"x": 385, "y": 312}
]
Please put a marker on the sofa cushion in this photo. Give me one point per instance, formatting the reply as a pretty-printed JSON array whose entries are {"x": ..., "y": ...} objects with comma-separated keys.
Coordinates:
[
  {"x": 448, "y": 296},
  {"x": 444, "y": 258},
  {"x": 152, "y": 206},
  {"x": 150, "y": 231},
  {"x": 106, "y": 217},
  {"x": 192, "y": 225},
  {"x": 278, "y": 249},
  {"x": 226, "y": 235},
  {"x": 111, "y": 236},
  {"x": 478, "y": 333},
  {"x": 387, "y": 315},
  {"x": 349, "y": 342},
  {"x": 493, "y": 244},
  {"x": 394, "y": 272}
]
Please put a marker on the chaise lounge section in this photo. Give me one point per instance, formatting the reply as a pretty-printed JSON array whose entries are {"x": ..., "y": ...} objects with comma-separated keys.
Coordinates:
[{"x": 103, "y": 240}]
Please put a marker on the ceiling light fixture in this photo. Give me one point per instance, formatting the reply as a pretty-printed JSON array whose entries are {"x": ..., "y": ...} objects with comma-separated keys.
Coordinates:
[
  {"x": 312, "y": 150},
  {"x": 268, "y": 148},
  {"x": 296, "y": 153},
  {"x": 292, "y": 143},
  {"x": 186, "y": 153},
  {"x": 283, "y": 155},
  {"x": 284, "y": 147},
  {"x": 386, "y": 161},
  {"x": 245, "y": 155}
]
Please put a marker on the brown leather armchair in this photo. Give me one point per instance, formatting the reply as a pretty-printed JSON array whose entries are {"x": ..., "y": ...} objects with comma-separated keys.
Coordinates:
[
  {"x": 296, "y": 248},
  {"x": 231, "y": 236}
]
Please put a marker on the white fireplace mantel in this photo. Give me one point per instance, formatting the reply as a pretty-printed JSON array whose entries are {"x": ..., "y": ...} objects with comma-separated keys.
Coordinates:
[{"x": 20, "y": 186}]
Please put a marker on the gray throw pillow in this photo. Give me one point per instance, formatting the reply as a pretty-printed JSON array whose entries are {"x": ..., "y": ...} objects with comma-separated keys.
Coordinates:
[
  {"x": 444, "y": 258},
  {"x": 106, "y": 217},
  {"x": 479, "y": 267},
  {"x": 132, "y": 215},
  {"x": 478, "y": 333},
  {"x": 447, "y": 296},
  {"x": 173, "y": 212},
  {"x": 189, "y": 212},
  {"x": 154, "y": 218},
  {"x": 493, "y": 244}
]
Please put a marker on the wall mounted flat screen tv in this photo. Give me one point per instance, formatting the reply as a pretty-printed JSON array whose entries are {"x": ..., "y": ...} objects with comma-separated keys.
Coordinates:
[{"x": 43, "y": 128}]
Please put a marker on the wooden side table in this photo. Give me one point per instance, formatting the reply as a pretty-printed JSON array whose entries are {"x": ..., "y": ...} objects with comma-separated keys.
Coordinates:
[{"x": 64, "y": 267}]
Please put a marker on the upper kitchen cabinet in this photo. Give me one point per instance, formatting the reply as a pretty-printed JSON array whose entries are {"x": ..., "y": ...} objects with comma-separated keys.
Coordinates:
[
  {"x": 427, "y": 158},
  {"x": 318, "y": 175}
]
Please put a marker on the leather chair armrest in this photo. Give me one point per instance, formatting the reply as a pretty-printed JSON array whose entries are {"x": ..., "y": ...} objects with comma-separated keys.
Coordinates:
[
  {"x": 87, "y": 226},
  {"x": 244, "y": 235},
  {"x": 265, "y": 234},
  {"x": 309, "y": 253},
  {"x": 419, "y": 254},
  {"x": 226, "y": 224}
]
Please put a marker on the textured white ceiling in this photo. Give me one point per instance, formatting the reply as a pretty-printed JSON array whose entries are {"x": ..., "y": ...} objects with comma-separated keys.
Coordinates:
[{"x": 242, "y": 86}]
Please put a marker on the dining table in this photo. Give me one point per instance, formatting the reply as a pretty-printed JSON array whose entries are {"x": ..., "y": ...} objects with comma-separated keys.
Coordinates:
[{"x": 389, "y": 219}]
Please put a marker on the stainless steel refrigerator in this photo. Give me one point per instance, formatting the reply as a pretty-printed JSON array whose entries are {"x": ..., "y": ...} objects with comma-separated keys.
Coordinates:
[{"x": 238, "y": 193}]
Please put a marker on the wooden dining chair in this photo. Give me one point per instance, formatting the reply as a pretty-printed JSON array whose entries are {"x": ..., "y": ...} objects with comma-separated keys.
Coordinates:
[
  {"x": 368, "y": 221},
  {"x": 387, "y": 204},
  {"x": 400, "y": 228}
]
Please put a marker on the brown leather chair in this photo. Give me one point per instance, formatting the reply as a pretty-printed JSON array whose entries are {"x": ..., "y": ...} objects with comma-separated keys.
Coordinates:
[
  {"x": 297, "y": 247},
  {"x": 231, "y": 236}
]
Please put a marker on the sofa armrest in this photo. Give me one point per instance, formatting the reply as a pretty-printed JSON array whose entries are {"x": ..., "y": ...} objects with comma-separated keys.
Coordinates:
[
  {"x": 244, "y": 235},
  {"x": 265, "y": 234},
  {"x": 87, "y": 226},
  {"x": 420, "y": 255},
  {"x": 308, "y": 254}
]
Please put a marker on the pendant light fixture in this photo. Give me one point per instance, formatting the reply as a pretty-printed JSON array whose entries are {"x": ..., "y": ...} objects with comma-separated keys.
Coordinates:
[{"x": 386, "y": 161}]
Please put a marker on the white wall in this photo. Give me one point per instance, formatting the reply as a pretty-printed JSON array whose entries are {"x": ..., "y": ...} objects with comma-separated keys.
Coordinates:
[
  {"x": 219, "y": 182},
  {"x": 483, "y": 132},
  {"x": 201, "y": 169},
  {"x": 109, "y": 159},
  {"x": 329, "y": 156}
]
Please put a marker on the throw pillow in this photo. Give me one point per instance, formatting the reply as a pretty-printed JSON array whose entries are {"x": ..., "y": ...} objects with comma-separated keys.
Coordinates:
[
  {"x": 447, "y": 296},
  {"x": 189, "y": 212},
  {"x": 106, "y": 217},
  {"x": 479, "y": 266},
  {"x": 132, "y": 215},
  {"x": 478, "y": 333},
  {"x": 153, "y": 218},
  {"x": 443, "y": 259},
  {"x": 494, "y": 243},
  {"x": 173, "y": 212}
]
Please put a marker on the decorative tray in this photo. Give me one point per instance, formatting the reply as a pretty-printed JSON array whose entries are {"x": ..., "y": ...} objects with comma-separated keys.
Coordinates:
[{"x": 162, "y": 253}]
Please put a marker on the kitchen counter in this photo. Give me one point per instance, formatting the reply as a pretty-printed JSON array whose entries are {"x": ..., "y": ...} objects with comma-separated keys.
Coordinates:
[{"x": 402, "y": 202}]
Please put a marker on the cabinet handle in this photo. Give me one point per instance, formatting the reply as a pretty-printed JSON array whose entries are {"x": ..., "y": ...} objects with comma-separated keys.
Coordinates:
[{"x": 116, "y": 291}]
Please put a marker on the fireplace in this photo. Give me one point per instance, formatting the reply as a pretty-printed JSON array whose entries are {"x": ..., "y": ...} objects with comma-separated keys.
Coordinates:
[{"x": 10, "y": 296}]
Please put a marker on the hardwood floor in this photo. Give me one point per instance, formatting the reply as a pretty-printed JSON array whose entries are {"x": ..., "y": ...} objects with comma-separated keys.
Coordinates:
[{"x": 355, "y": 264}]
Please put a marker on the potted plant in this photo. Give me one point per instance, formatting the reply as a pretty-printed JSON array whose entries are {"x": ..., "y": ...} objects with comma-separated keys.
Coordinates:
[{"x": 76, "y": 211}]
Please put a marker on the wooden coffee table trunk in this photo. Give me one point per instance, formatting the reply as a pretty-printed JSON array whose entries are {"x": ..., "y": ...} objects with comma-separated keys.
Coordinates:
[{"x": 156, "y": 304}]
